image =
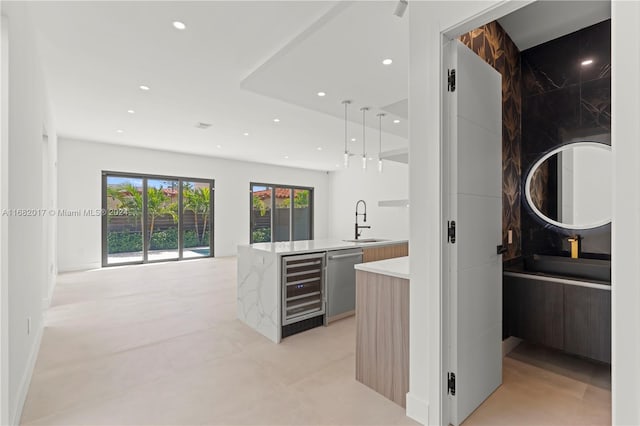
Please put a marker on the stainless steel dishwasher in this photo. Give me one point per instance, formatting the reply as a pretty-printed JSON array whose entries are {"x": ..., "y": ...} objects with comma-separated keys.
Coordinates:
[{"x": 341, "y": 282}]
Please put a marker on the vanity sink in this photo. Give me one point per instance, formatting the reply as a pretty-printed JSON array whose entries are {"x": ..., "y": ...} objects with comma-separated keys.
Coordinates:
[
  {"x": 594, "y": 269},
  {"x": 366, "y": 240}
]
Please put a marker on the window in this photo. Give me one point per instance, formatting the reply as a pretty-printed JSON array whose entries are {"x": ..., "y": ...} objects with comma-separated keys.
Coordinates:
[
  {"x": 280, "y": 213},
  {"x": 155, "y": 218}
]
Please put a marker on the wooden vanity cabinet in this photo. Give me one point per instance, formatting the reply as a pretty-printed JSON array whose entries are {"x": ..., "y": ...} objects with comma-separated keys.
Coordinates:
[
  {"x": 587, "y": 322},
  {"x": 535, "y": 311},
  {"x": 570, "y": 318}
]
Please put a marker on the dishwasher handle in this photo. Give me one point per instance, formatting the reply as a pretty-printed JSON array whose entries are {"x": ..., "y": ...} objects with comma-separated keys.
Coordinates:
[{"x": 344, "y": 256}]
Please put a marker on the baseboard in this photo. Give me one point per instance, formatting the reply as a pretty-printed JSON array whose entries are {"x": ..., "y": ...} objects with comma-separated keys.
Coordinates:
[
  {"x": 510, "y": 344},
  {"x": 417, "y": 409},
  {"x": 79, "y": 268},
  {"x": 23, "y": 389}
]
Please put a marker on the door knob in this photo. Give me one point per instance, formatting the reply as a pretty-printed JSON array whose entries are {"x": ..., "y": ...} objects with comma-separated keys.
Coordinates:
[{"x": 501, "y": 249}]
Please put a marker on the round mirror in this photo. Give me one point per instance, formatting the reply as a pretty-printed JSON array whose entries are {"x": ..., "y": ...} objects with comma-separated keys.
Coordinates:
[{"x": 570, "y": 187}]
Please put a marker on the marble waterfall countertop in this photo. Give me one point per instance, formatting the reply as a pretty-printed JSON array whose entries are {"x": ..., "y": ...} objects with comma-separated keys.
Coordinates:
[
  {"x": 310, "y": 246},
  {"x": 397, "y": 267}
]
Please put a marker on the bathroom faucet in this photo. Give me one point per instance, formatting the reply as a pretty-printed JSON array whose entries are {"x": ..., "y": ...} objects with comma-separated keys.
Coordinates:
[
  {"x": 359, "y": 227},
  {"x": 575, "y": 246}
]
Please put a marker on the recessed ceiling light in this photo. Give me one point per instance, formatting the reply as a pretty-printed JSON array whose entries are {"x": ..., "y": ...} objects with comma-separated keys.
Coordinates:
[
  {"x": 587, "y": 62},
  {"x": 276, "y": 120},
  {"x": 387, "y": 62},
  {"x": 396, "y": 121},
  {"x": 143, "y": 87},
  {"x": 218, "y": 146},
  {"x": 131, "y": 111},
  {"x": 353, "y": 139},
  {"x": 179, "y": 25},
  {"x": 319, "y": 148},
  {"x": 321, "y": 94},
  {"x": 337, "y": 165},
  {"x": 246, "y": 133},
  {"x": 119, "y": 131},
  {"x": 286, "y": 157}
]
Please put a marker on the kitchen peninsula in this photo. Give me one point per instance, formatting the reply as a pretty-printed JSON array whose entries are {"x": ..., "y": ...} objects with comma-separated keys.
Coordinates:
[
  {"x": 300, "y": 268},
  {"x": 382, "y": 327}
]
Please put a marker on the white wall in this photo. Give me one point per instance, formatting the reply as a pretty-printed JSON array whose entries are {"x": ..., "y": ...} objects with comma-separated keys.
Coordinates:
[
  {"x": 4, "y": 222},
  {"x": 625, "y": 229},
  {"x": 428, "y": 21},
  {"x": 26, "y": 255},
  {"x": 80, "y": 166},
  {"x": 352, "y": 184}
]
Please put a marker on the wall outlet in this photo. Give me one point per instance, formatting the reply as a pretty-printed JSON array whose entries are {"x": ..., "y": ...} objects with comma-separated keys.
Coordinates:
[
  {"x": 510, "y": 236},
  {"x": 28, "y": 326}
]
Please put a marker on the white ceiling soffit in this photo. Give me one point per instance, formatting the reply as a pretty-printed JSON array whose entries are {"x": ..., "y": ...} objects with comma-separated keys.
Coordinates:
[
  {"x": 341, "y": 54},
  {"x": 400, "y": 108},
  {"x": 547, "y": 20}
]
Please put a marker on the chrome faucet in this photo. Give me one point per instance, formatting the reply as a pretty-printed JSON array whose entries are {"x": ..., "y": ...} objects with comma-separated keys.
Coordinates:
[{"x": 359, "y": 227}]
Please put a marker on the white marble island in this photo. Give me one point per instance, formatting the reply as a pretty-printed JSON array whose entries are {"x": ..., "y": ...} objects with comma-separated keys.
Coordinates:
[{"x": 259, "y": 296}]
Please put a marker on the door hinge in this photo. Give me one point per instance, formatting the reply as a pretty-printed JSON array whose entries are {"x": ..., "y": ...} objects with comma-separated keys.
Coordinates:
[
  {"x": 451, "y": 384},
  {"x": 451, "y": 80},
  {"x": 451, "y": 232}
]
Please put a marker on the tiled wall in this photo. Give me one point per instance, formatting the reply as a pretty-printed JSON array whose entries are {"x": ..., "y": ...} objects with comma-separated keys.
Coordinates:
[
  {"x": 492, "y": 44},
  {"x": 559, "y": 96}
]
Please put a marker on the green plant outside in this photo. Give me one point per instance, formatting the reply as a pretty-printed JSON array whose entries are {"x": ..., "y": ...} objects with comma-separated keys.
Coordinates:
[
  {"x": 259, "y": 205},
  {"x": 300, "y": 200},
  {"x": 262, "y": 235},
  {"x": 126, "y": 242}
]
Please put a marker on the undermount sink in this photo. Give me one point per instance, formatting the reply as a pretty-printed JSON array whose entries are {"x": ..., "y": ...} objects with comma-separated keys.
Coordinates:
[
  {"x": 366, "y": 240},
  {"x": 579, "y": 268}
]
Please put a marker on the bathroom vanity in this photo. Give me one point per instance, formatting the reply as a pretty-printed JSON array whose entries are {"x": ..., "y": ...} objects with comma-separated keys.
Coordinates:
[{"x": 560, "y": 310}]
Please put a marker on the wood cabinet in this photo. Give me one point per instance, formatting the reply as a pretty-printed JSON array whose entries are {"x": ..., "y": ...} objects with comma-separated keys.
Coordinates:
[
  {"x": 536, "y": 311},
  {"x": 382, "y": 334},
  {"x": 571, "y": 318},
  {"x": 587, "y": 322},
  {"x": 371, "y": 254}
]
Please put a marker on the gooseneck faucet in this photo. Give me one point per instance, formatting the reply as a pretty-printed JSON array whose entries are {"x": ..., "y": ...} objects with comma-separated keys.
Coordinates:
[{"x": 359, "y": 227}]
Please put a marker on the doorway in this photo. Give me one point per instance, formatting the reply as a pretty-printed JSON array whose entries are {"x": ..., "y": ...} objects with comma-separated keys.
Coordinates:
[{"x": 554, "y": 301}]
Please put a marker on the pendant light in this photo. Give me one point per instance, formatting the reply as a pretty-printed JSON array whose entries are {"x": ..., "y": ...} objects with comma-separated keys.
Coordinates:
[
  {"x": 364, "y": 146},
  {"x": 346, "y": 150},
  {"x": 380, "y": 146}
]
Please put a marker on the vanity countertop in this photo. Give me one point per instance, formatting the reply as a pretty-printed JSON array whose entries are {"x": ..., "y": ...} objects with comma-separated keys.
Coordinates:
[
  {"x": 518, "y": 270},
  {"x": 397, "y": 267}
]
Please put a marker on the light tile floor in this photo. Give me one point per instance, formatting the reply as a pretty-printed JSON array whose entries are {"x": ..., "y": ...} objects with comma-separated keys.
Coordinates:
[
  {"x": 546, "y": 387},
  {"x": 159, "y": 344}
]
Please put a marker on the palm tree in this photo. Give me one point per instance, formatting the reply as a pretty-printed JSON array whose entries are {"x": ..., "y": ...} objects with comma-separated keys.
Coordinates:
[
  {"x": 198, "y": 201},
  {"x": 159, "y": 204},
  {"x": 130, "y": 198}
]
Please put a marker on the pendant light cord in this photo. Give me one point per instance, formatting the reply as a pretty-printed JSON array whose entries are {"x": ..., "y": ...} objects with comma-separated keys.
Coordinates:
[{"x": 364, "y": 151}]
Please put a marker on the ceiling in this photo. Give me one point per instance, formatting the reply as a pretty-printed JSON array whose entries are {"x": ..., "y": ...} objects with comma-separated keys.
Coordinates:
[
  {"x": 342, "y": 55},
  {"x": 547, "y": 20},
  {"x": 237, "y": 66}
]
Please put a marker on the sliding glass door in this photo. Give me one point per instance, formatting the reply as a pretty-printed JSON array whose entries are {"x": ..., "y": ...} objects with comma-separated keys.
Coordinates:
[
  {"x": 261, "y": 213},
  {"x": 124, "y": 220},
  {"x": 155, "y": 218},
  {"x": 196, "y": 219},
  {"x": 162, "y": 219},
  {"x": 280, "y": 213}
]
